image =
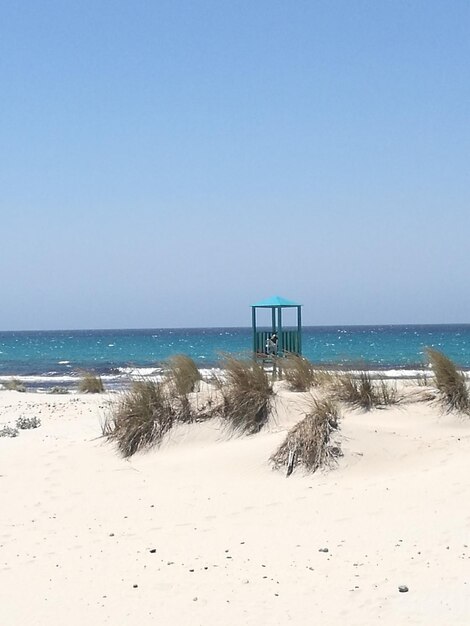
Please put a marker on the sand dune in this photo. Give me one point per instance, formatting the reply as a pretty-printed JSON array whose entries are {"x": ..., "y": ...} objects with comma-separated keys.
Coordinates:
[{"x": 203, "y": 532}]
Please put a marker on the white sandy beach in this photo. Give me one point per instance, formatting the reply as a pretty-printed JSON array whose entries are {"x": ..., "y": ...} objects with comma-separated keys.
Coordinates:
[{"x": 203, "y": 532}]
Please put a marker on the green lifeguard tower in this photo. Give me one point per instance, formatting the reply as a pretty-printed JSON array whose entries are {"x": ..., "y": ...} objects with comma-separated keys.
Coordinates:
[{"x": 289, "y": 340}]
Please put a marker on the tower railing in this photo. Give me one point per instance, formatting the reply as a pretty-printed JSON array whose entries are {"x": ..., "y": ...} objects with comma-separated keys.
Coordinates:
[{"x": 288, "y": 342}]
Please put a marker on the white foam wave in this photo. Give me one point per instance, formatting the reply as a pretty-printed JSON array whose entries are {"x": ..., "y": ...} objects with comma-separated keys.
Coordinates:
[
  {"x": 393, "y": 373},
  {"x": 47, "y": 378},
  {"x": 39, "y": 379},
  {"x": 136, "y": 372},
  {"x": 209, "y": 372}
]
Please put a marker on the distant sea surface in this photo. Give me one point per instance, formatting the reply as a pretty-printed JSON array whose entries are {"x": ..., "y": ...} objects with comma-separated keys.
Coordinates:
[{"x": 47, "y": 358}]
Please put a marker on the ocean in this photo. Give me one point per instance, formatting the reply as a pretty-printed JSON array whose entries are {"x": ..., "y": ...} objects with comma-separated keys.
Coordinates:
[{"x": 42, "y": 359}]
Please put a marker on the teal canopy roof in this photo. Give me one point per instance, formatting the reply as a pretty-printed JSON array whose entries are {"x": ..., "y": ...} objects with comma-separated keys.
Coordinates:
[{"x": 275, "y": 301}]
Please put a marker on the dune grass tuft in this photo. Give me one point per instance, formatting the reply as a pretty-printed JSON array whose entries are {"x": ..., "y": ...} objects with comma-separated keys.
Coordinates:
[
  {"x": 141, "y": 419},
  {"x": 182, "y": 374},
  {"x": 8, "y": 431},
  {"x": 26, "y": 423},
  {"x": 247, "y": 394},
  {"x": 450, "y": 383},
  {"x": 14, "y": 384},
  {"x": 58, "y": 390},
  {"x": 90, "y": 383},
  {"x": 299, "y": 373},
  {"x": 309, "y": 443},
  {"x": 363, "y": 392},
  {"x": 149, "y": 409}
]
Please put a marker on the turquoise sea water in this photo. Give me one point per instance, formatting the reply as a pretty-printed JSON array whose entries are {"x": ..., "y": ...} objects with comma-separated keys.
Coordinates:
[{"x": 50, "y": 357}]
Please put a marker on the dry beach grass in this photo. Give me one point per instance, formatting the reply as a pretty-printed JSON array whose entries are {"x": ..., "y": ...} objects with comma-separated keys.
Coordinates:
[
  {"x": 141, "y": 417},
  {"x": 363, "y": 392},
  {"x": 450, "y": 382},
  {"x": 299, "y": 373},
  {"x": 90, "y": 383},
  {"x": 247, "y": 393},
  {"x": 309, "y": 442}
]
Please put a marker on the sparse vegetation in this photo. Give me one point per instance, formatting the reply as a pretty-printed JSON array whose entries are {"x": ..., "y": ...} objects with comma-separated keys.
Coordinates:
[
  {"x": 363, "y": 392},
  {"x": 151, "y": 408},
  {"x": 14, "y": 385},
  {"x": 182, "y": 377},
  {"x": 8, "y": 431},
  {"x": 182, "y": 374},
  {"x": 309, "y": 443},
  {"x": 25, "y": 423},
  {"x": 58, "y": 390},
  {"x": 450, "y": 383},
  {"x": 299, "y": 373},
  {"x": 90, "y": 383},
  {"x": 247, "y": 394},
  {"x": 142, "y": 418}
]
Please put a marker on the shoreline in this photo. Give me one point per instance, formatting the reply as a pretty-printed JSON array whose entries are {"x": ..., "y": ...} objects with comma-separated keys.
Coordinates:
[{"x": 124, "y": 378}]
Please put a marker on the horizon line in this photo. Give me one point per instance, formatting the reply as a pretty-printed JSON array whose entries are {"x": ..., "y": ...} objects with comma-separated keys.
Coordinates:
[{"x": 110, "y": 329}]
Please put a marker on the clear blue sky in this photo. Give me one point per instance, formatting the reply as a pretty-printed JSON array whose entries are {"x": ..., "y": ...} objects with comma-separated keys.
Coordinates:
[{"x": 168, "y": 163}]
